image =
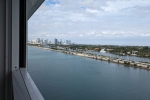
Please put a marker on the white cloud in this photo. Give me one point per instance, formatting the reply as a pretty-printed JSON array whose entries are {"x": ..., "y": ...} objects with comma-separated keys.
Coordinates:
[
  {"x": 145, "y": 35},
  {"x": 91, "y": 19},
  {"x": 92, "y": 11},
  {"x": 118, "y": 5}
]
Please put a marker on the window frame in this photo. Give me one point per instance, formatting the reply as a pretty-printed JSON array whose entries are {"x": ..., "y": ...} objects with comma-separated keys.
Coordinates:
[{"x": 23, "y": 87}]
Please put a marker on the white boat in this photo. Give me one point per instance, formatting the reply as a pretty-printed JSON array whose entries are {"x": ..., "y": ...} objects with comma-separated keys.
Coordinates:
[{"x": 102, "y": 50}]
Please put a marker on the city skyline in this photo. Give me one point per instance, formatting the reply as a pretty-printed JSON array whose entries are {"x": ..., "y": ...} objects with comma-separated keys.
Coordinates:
[
  {"x": 47, "y": 41},
  {"x": 114, "y": 22}
]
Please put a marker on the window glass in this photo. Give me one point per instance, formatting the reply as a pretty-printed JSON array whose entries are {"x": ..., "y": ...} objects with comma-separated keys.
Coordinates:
[{"x": 90, "y": 49}]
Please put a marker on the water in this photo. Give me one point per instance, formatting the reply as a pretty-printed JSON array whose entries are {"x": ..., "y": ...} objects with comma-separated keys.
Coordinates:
[
  {"x": 134, "y": 58},
  {"x": 66, "y": 77}
]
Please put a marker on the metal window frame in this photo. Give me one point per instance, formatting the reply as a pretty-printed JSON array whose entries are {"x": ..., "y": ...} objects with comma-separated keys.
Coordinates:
[
  {"x": 22, "y": 34},
  {"x": 19, "y": 84},
  {"x": 8, "y": 53}
]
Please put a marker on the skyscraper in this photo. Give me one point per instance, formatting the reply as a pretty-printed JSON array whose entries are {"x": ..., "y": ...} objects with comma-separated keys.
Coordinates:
[
  {"x": 38, "y": 40},
  {"x": 55, "y": 41},
  {"x": 68, "y": 42},
  {"x": 41, "y": 41},
  {"x": 46, "y": 41}
]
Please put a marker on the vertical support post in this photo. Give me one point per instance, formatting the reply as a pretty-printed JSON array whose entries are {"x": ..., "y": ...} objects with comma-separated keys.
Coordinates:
[
  {"x": 2, "y": 48},
  {"x": 15, "y": 34},
  {"x": 22, "y": 33},
  {"x": 8, "y": 52}
]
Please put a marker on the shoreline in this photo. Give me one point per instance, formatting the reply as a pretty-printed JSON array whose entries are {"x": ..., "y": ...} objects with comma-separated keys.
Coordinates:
[{"x": 140, "y": 65}]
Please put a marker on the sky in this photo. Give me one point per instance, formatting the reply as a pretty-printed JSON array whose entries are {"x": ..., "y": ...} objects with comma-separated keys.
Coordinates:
[{"x": 105, "y": 22}]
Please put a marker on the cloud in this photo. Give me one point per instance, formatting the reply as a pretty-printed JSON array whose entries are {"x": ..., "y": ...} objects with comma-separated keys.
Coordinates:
[
  {"x": 92, "y": 11},
  {"x": 118, "y": 5},
  {"x": 81, "y": 20}
]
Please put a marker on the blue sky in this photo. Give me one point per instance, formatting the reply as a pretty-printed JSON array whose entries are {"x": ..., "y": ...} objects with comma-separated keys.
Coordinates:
[{"x": 118, "y": 22}]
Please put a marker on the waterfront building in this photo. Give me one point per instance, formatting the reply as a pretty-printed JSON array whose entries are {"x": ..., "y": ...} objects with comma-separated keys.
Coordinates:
[
  {"x": 34, "y": 41},
  {"x": 55, "y": 41},
  {"x": 96, "y": 49},
  {"x": 38, "y": 40},
  {"x": 41, "y": 41},
  {"x": 134, "y": 52},
  {"x": 60, "y": 41},
  {"x": 46, "y": 41},
  {"x": 128, "y": 52},
  {"x": 68, "y": 42}
]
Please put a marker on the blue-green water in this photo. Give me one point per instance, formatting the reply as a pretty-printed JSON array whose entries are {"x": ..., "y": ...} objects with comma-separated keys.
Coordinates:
[{"x": 66, "y": 77}]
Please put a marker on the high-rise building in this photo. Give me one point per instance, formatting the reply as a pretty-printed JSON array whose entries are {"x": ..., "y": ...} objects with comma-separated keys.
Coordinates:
[
  {"x": 68, "y": 42},
  {"x": 38, "y": 40},
  {"x": 55, "y": 41},
  {"x": 41, "y": 42},
  {"x": 60, "y": 41},
  {"x": 46, "y": 41}
]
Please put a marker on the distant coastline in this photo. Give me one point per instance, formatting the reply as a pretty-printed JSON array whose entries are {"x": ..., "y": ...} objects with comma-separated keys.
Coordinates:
[{"x": 134, "y": 64}]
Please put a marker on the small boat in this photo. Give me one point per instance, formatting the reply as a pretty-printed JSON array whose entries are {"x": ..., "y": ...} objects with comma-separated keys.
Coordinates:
[{"x": 102, "y": 50}]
